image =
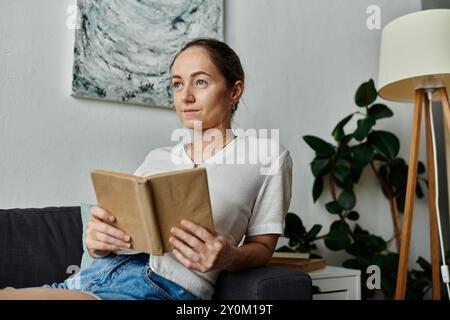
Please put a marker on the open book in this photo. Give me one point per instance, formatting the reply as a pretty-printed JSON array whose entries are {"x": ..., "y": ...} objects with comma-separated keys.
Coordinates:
[{"x": 147, "y": 208}]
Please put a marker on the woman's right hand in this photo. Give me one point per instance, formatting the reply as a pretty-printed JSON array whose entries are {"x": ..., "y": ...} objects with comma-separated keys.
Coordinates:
[{"x": 101, "y": 237}]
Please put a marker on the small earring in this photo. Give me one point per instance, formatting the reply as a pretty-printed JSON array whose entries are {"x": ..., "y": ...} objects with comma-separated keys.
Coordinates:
[{"x": 234, "y": 108}]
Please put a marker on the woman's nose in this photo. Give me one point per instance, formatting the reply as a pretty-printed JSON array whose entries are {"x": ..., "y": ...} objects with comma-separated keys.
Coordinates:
[{"x": 187, "y": 95}]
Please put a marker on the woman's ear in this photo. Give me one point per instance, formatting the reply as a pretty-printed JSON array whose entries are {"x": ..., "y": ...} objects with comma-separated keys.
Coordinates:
[{"x": 237, "y": 91}]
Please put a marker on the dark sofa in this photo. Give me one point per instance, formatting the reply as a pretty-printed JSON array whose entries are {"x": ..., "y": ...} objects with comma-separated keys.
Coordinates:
[{"x": 42, "y": 246}]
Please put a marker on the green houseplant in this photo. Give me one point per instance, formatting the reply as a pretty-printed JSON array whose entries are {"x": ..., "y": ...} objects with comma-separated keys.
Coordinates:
[{"x": 342, "y": 164}]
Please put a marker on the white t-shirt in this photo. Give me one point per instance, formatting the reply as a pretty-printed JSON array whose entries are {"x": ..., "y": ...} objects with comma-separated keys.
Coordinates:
[{"x": 249, "y": 182}]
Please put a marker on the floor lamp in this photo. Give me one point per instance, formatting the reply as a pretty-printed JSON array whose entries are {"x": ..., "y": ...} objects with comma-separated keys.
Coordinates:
[{"x": 415, "y": 67}]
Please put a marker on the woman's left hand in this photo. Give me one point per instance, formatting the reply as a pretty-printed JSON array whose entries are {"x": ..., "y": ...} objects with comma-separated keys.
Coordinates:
[{"x": 198, "y": 249}]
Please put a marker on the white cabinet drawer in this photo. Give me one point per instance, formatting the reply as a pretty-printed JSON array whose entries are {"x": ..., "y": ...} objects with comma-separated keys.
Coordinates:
[
  {"x": 332, "y": 284},
  {"x": 335, "y": 283},
  {"x": 333, "y": 295}
]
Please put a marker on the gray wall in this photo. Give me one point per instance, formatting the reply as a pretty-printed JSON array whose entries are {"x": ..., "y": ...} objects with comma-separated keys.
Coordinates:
[{"x": 303, "y": 59}]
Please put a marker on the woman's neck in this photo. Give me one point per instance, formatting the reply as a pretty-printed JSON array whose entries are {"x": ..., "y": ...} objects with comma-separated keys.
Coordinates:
[
  {"x": 214, "y": 136},
  {"x": 207, "y": 142}
]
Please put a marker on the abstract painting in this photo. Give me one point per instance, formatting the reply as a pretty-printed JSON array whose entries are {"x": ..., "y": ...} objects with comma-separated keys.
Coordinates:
[{"x": 123, "y": 49}]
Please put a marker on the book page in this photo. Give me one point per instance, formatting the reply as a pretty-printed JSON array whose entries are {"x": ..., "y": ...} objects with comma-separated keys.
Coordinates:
[{"x": 182, "y": 194}]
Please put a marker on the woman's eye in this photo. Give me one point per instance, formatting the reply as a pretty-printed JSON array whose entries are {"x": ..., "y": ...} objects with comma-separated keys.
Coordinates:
[
  {"x": 176, "y": 85},
  {"x": 201, "y": 83}
]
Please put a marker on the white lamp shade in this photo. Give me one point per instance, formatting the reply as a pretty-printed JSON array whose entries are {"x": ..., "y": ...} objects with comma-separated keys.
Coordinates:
[{"x": 414, "y": 54}]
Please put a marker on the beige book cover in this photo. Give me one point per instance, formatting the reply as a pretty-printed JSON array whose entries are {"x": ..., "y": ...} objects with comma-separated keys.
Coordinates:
[{"x": 147, "y": 208}]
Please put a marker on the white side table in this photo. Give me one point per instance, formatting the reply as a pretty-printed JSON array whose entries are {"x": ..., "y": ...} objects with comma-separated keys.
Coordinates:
[{"x": 336, "y": 283}]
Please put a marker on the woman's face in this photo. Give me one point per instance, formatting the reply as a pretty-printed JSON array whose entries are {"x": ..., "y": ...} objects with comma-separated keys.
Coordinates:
[{"x": 198, "y": 85}]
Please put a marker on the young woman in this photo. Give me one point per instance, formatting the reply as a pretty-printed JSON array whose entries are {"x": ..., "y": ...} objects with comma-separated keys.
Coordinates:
[{"x": 249, "y": 199}]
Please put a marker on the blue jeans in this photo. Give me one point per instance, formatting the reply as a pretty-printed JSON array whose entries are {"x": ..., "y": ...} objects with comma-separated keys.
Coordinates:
[{"x": 124, "y": 277}]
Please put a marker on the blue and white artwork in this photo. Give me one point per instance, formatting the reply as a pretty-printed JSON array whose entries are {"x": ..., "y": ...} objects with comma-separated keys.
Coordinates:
[{"x": 123, "y": 49}]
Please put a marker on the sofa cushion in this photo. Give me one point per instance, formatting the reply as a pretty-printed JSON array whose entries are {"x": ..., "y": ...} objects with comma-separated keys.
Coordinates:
[
  {"x": 39, "y": 246},
  {"x": 264, "y": 283}
]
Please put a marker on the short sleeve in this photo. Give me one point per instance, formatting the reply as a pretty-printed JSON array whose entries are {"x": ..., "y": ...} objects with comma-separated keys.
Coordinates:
[
  {"x": 273, "y": 200},
  {"x": 140, "y": 171}
]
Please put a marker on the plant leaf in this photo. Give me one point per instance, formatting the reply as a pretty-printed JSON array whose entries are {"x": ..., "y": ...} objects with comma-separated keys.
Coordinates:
[
  {"x": 343, "y": 176},
  {"x": 354, "y": 264},
  {"x": 334, "y": 207},
  {"x": 385, "y": 143},
  {"x": 367, "y": 245},
  {"x": 362, "y": 155},
  {"x": 364, "y": 127},
  {"x": 353, "y": 215},
  {"x": 317, "y": 188},
  {"x": 294, "y": 228},
  {"x": 401, "y": 202},
  {"x": 313, "y": 232},
  {"x": 397, "y": 175},
  {"x": 346, "y": 139},
  {"x": 322, "y": 148},
  {"x": 366, "y": 94},
  {"x": 340, "y": 226},
  {"x": 337, "y": 238},
  {"x": 419, "y": 192},
  {"x": 337, "y": 241},
  {"x": 338, "y": 132},
  {"x": 379, "y": 111},
  {"x": 424, "y": 264},
  {"x": 319, "y": 166},
  {"x": 347, "y": 199},
  {"x": 420, "y": 167}
]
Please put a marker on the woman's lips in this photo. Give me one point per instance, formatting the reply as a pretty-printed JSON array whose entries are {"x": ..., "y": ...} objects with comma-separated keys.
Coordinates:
[{"x": 189, "y": 112}]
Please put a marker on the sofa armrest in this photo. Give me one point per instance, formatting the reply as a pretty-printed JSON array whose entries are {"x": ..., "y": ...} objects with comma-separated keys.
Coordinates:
[
  {"x": 264, "y": 283},
  {"x": 39, "y": 245}
]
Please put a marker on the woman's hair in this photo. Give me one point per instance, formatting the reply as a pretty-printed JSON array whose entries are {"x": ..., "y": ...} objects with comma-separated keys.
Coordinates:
[{"x": 223, "y": 57}]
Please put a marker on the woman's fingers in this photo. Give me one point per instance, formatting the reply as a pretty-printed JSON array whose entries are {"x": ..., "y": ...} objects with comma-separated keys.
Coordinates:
[
  {"x": 111, "y": 240},
  {"x": 100, "y": 221},
  {"x": 197, "y": 230},
  {"x": 96, "y": 225},
  {"x": 187, "y": 251},
  {"x": 187, "y": 263},
  {"x": 102, "y": 214},
  {"x": 189, "y": 239},
  {"x": 101, "y": 237},
  {"x": 95, "y": 245},
  {"x": 198, "y": 249}
]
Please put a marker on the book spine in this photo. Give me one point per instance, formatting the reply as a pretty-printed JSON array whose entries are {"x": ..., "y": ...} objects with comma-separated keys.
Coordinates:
[{"x": 148, "y": 218}]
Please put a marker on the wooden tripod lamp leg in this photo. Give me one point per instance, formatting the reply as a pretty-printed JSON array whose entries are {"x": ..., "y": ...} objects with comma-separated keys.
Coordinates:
[
  {"x": 446, "y": 109},
  {"x": 434, "y": 231},
  {"x": 410, "y": 196},
  {"x": 446, "y": 106}
]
